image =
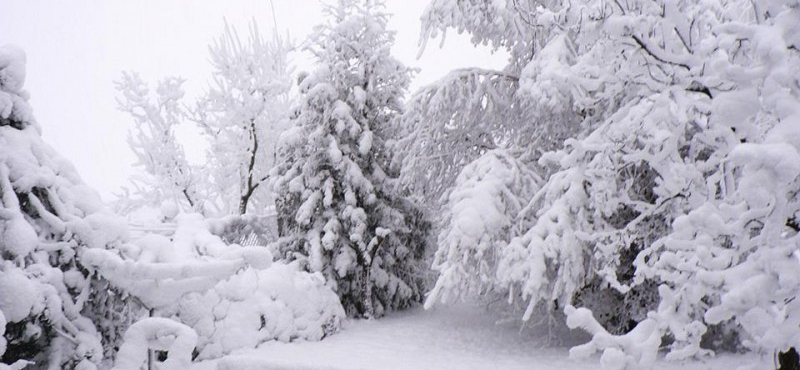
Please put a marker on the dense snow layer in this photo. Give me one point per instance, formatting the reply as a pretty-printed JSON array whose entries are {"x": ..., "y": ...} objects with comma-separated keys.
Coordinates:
[{"x": 463, "y": 337}]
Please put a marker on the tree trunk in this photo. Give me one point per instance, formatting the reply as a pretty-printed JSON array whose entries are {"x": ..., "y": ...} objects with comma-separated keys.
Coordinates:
[
  {"x": 365, "y": 288},
  {"x": 243, "y": 204},
  {"x": 789, "y": 360},
  {"x": 250, "y": 187}
]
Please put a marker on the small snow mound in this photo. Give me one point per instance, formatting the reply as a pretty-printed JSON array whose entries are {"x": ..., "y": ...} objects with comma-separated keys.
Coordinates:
[
  {"x": 169, "y": 209},
  {"x": 161, "y": 334},
  {"x": 613, "y": 359}
]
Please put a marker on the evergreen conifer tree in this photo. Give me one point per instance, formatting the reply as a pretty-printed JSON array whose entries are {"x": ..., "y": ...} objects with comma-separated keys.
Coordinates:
[{"x": 337, "y": 212}]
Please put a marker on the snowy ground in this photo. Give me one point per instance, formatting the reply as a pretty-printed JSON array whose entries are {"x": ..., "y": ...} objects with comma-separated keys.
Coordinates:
[{"x": 464, "y": 337}]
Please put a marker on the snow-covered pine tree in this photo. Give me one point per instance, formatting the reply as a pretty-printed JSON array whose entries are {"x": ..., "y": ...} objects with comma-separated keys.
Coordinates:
[
  {"x": 53, "y": 310},
  {"x": 242, "y": 115},
  {"x": 336, "y": 209}
]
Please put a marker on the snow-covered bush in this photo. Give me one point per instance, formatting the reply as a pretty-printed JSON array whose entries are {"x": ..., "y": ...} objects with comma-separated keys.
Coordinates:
[
  {"x": 724, "y": 237},
  {"x": 337, "y": 210},
  {"x": 233, "y": 297},
  {"x": 49, "y": 301},
  {"x": 636, "y": 349},
  {"x": 730, "y": 264},
  {"x": 255, "y": 306}
]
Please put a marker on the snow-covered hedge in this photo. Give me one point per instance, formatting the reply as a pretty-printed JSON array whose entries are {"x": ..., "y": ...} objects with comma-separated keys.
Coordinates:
[
  {"x": 278, "y": 303},
  {"x": 232, "y": 296}
]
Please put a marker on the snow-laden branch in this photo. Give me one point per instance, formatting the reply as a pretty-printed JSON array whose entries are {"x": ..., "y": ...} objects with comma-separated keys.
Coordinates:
[
  {"x": 243, "y": 114},
  {"x": 451, "y": 123},
  {"x": 153, "y": 142}
]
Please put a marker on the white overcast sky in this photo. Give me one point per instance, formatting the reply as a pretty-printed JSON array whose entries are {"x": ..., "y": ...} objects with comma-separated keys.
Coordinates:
[{"x": 76, "y": 49}]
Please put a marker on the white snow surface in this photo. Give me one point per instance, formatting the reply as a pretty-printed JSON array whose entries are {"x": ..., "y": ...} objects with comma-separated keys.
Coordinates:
[{"x": 464, "y": 336}]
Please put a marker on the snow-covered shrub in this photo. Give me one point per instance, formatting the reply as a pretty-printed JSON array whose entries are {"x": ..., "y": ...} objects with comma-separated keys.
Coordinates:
[
  {"x": 636, "y": 349},
  {"x": 337, "y": 210},
  {"x": 232, "y": 296},
  {"x": 731, "y": 263},
  {"x": 48, "y": 219},
  {"x": 255, "y": 306}
]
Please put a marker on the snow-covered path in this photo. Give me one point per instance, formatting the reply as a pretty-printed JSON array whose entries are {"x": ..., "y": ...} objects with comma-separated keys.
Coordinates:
[{"x": 462, "y": 338}]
